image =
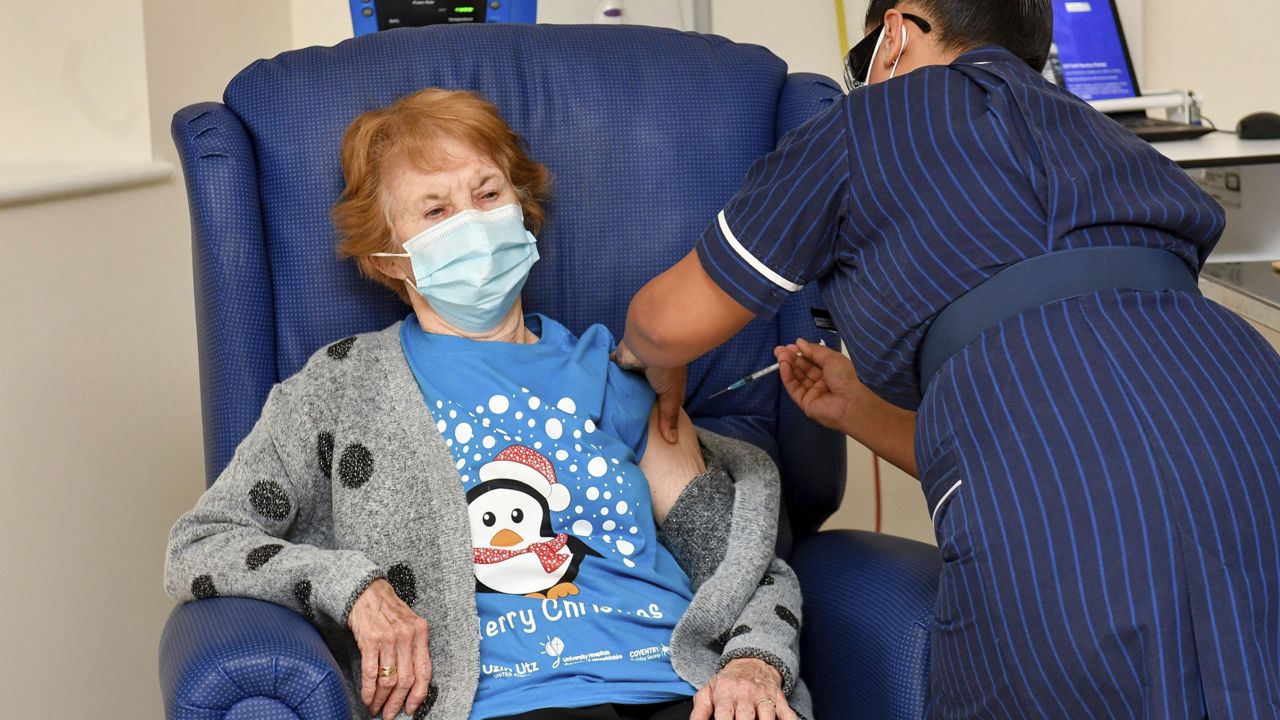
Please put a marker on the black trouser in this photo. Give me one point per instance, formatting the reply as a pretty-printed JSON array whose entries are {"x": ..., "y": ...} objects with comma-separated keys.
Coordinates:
[{"x": 678, "y": 710}]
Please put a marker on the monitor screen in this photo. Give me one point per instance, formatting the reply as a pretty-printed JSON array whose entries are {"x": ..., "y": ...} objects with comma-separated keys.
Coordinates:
[
  {"x": 1090, "y": 58},
  {"x": 416, "y": 13}
]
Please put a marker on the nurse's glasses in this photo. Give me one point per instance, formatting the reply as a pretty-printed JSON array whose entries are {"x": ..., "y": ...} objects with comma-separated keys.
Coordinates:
[{"x": 857, "y": 64}]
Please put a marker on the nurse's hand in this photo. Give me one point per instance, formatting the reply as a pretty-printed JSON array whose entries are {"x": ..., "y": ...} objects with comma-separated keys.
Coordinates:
[
  {"x": 390, "y": 635},
  {"x": 823, "y": 383},
  {"x": 826, "y": 387},
  {"x": 745, "y": 689},
  {"x": 668, "y": 383}
]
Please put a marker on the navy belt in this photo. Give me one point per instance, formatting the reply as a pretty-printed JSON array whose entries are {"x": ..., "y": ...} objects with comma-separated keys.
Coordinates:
[{"x": 1042, "y": 280}]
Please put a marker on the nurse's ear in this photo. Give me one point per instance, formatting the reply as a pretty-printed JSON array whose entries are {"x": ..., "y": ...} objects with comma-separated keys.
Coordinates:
[
  {"x": 906, "y": 46},
  {"x": 894, "y": 45}
]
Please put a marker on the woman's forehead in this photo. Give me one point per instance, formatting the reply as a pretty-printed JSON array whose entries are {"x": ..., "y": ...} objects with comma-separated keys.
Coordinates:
[
  {"x": 447, "y": 154},
  {"x": 441, "y": 165}
]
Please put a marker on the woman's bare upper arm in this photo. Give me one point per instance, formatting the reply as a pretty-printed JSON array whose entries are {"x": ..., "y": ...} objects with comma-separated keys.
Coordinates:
[{"x": 670, "y": 468}]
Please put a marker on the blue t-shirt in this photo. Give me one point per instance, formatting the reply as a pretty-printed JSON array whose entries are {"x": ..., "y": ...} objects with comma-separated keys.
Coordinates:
[{"x": 577, "y": 598}]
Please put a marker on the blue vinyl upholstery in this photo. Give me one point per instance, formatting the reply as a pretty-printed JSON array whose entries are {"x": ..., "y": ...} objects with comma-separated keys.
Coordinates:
[
  {"x": 646, "y": 132},
  {"x": 239, "y": 658},
  {"x": 868, "y": 609}
]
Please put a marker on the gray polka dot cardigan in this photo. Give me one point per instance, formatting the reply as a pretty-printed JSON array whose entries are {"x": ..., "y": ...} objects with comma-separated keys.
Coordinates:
[{"x": 345, "y": 479}]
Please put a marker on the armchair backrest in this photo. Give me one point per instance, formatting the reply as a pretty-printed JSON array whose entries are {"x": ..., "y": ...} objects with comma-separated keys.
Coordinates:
[{"x": 646, "y": 132}]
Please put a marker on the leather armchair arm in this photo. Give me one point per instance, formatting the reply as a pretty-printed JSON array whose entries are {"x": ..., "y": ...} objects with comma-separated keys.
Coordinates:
[{"x": 236, "y": 657}]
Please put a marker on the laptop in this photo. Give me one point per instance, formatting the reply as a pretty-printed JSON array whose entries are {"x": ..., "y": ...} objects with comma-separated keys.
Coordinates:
[{"x": 1091, "y": 59}]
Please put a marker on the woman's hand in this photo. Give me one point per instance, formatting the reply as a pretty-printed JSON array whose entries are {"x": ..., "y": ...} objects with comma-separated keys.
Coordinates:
[
  {"x": 745, "y": 689},
  {"x": 826, "y": 387},
  {"x": 390, "y": 634}
]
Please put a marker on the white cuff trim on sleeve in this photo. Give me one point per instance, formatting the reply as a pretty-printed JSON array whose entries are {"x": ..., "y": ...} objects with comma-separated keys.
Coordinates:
[{"x": 760, "y": 267}]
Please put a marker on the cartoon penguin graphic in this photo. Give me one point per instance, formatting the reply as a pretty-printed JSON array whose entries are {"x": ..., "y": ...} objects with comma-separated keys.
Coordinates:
[{"x": 514, "y": 549}]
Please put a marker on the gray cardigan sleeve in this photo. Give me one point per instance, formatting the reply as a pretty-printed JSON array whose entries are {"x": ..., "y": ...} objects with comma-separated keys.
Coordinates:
[
  {"x": 248, "y": 534},
  {"x": 696, "y": 532},
  {"x": 772, "y": 622}
]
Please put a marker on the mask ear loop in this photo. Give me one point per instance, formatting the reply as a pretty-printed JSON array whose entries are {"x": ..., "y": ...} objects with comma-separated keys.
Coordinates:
[
  {"x": 411, "y": 279},
  {"x": 875, "y": 52},
  {"x": 898, "y": 59}
]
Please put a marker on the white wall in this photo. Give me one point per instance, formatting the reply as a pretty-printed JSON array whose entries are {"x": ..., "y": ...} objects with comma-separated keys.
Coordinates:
[
  {"x": 319, "y": 23},
  {"x": 664, "y": 13},
  {"x": 804, "y": 34},
  {"x": 1227, "y": 51},
  {"x": 77, "y": 71},
  {"x": 1131, "y": 15},
  {"x": 100, "y": 445}
]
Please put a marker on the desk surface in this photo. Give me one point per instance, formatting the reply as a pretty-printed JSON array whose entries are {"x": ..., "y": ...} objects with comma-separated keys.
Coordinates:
[
  {"x": 1220, "y": 149},
  {"x": 1258, "y": 280},
  {"x": 1251, "y": 289}
]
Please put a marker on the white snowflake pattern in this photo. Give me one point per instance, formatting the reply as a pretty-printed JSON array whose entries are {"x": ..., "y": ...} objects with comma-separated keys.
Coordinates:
[{"x": 477, "y": 433}]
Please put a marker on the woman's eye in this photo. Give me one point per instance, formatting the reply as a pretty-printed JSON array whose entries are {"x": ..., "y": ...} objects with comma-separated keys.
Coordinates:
[
  {"x": 491, "y": 195},
  {"x": 489, "y": 519},
  {"x": 517, "y": 515},
  {"x": 435, "y": 212}
]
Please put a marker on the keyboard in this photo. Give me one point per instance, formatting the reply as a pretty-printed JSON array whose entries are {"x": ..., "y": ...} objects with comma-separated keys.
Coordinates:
[{"x": 1157, "y": 130}]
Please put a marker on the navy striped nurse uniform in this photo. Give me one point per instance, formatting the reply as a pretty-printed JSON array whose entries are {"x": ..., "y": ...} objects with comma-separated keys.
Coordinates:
[{"x": 1101, "y": 471}]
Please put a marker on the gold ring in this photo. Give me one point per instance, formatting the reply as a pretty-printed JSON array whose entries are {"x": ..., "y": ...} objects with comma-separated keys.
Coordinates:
[
  {"x": 386, "y": 671},
  {"x": 773, "y": 704}
]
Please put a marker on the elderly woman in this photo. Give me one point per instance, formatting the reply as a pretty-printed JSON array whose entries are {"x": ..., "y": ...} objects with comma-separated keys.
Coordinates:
[{"x": 475, "y": 506}]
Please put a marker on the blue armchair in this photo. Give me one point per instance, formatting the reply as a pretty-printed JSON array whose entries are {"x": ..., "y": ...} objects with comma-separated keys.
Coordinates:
[{"x": 647, "y": 133}]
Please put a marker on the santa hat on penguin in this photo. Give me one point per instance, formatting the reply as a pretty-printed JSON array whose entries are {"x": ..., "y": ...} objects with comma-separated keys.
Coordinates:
[{"x": 528, "y": 466}]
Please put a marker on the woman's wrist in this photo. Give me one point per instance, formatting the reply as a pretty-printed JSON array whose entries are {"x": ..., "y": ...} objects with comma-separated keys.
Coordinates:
[{"x": 758, "y": 665}]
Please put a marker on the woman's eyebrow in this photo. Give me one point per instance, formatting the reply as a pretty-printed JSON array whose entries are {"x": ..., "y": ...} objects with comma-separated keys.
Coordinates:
[{"x": 486, "y": 180}]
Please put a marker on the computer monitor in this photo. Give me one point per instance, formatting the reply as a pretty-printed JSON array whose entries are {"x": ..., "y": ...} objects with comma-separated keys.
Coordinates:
[
  {"x": 369, "y": 16},
  {"x": 1091, "y": 57}
]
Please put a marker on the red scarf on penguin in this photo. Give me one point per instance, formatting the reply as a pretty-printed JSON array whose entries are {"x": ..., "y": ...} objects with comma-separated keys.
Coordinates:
[{"x": 530, "y": 467}]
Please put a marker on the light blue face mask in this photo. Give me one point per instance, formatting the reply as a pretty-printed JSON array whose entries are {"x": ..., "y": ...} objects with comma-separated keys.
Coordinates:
[{"x": 471, "y": 267}]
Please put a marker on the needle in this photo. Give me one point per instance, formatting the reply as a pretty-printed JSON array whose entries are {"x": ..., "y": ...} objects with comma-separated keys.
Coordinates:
[
  {"x": 748, "y": 380},
  {"x": 757, "y": 375}
]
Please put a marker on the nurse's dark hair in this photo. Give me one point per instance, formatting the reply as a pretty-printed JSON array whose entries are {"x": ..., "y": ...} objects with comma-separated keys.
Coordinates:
[{"x": 1023, "y": 27}]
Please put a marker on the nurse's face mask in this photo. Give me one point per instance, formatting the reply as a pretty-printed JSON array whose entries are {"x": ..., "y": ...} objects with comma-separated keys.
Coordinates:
[
  {"x": 472, "y": 267},
  {"x": 861, "y": 57}
]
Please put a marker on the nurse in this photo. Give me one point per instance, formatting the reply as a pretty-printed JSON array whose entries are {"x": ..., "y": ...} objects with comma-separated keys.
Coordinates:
[{"x": 1098, "y": 444}]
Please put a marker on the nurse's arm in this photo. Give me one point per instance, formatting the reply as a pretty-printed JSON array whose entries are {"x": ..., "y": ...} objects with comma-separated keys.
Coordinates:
[
  {"x": 681, "y": 315},
  {"x": 823, "y": 383}
]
